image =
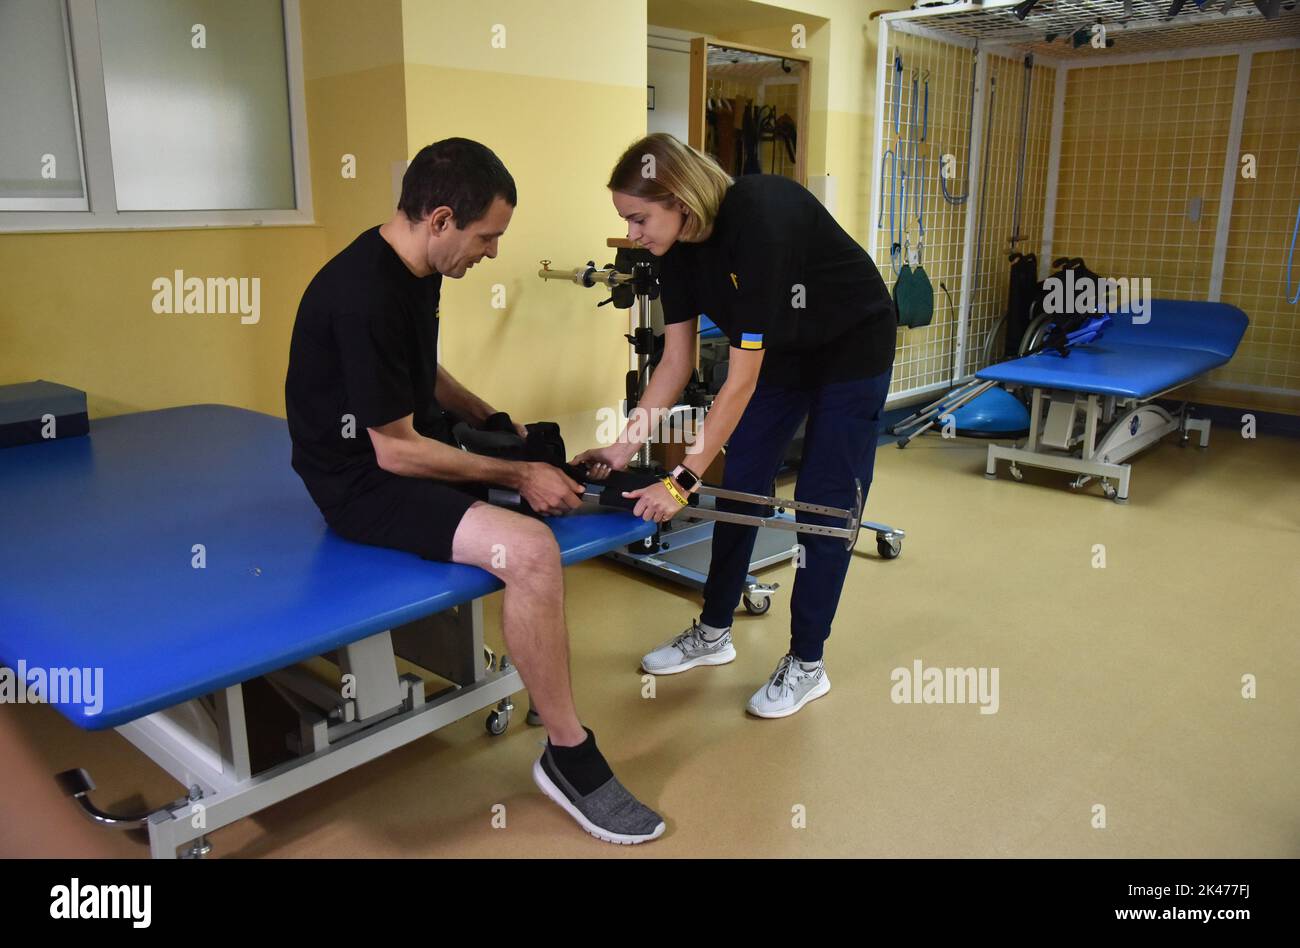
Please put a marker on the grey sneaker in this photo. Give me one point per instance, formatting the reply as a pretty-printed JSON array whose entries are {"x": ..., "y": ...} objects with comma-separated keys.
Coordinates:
[
  {"x": 789, "y": 689},
  {"x": 609, "y": 812},
  {"x": 687, "y": 650}
]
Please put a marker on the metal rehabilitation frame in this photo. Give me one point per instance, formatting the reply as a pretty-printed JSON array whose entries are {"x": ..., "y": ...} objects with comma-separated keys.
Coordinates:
[{"x": 681, "y": 552}]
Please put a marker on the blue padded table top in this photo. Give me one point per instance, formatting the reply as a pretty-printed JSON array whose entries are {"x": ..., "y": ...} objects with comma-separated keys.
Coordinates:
[
  {"x": 95, "y": 560},
  {"x": 1181, "y": 341},
  {"x": 1119, "y": 370}
]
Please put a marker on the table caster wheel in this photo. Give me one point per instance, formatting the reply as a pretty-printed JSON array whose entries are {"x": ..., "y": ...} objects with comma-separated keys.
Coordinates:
[
  {"x": 199, "y": 849},
  {"x": 758, "y": 606},
  {"x": 1109, "y": 490},
  {"x": 888, "y": 548},
  {"x": 497, "y": 722},
  {"x": 1017, "y": 473}
]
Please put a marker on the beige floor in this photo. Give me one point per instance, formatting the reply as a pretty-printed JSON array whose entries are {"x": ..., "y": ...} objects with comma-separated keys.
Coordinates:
[{"x": 1119, "y": 687}]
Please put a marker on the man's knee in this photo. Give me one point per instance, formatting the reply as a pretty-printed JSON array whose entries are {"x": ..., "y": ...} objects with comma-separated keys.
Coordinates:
[
  {"x": 529, "y": 553},
  {"x": 504, "y": 542}
]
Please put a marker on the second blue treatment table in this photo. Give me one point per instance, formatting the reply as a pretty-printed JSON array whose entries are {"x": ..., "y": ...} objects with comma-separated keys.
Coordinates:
[
  {"x": 1094, "y": 409},
  {"x": 179, "y": 553}
]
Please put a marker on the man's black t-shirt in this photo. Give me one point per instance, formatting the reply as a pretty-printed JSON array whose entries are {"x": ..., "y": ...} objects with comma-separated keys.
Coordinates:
[
  {"x": 365, "y": 345},
  {"x": 778, "y": 273}
]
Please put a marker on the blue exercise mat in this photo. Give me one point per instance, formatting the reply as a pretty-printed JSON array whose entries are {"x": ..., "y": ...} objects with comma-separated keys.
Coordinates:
[
  {"x": 95, "y": 560},
  {"x": 1181, "y": 341}
]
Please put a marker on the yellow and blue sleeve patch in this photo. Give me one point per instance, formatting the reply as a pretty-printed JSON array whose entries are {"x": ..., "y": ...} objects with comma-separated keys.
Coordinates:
[{"x": 751, "y": 340}]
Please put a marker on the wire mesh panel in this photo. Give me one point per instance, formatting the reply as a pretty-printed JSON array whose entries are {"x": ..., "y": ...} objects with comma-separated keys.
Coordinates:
[
  {"x": 1142, "y": 149},
  {"x": 996, "y": 207},
  {"x": 1265, "y": 205},
  {"x": 929, "y": 182},
  {"x": 1063, "y": 28},
  {"x": 1145, "y": 127},
  {"x": 914, "y": 215}
]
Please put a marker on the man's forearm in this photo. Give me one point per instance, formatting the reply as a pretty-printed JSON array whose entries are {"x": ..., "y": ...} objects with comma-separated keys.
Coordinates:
[
  {"x": 459, "y": 400},
  {"x": 418, "y": 456}
]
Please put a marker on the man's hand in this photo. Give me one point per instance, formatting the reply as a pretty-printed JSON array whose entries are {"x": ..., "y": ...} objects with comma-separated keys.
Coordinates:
[
  {"x": 549, "y": 490},
  {"x": 600, "y": 461}
]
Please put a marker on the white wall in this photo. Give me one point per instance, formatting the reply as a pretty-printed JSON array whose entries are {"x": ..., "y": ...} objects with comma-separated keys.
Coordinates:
[{"x": 668, "y": 68}]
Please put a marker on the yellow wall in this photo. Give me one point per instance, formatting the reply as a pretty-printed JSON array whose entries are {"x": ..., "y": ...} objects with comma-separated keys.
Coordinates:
[
  {"x": 558, "y": 104},
  {"x": 76, "y": 306},
  {"x": 1134, "y": 155},
  {"x": 356, "y": 105},
  {"x": 1132, "y": 159},
  {"x": 77, "y": 309},
  {"x": 1263, "y": 218}
]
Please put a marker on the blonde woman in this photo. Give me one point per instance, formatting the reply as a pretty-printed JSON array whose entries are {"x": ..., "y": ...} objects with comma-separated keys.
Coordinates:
[{"x": 812, "y": 328}]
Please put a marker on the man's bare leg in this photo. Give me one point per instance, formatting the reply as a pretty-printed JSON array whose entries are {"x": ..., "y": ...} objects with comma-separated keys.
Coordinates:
[{"x": 523, "y": 554}]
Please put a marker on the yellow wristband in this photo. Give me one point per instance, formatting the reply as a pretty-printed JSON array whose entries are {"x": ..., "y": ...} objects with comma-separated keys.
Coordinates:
[{"x": 673, "y": 489}]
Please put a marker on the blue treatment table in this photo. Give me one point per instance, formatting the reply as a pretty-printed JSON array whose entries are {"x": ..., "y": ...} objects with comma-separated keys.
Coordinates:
[
  {"x": 1113, "y": 383},
  {"x": 98, "y": 540}
]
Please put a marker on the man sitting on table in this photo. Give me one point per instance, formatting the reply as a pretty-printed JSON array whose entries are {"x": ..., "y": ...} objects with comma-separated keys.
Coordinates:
[{"x": 363, "y": 359}]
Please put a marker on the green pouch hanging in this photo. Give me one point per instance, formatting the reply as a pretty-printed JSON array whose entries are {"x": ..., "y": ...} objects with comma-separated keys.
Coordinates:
[
  {"x": 920, "y": 298},
  {"x": 903, "y": 296}
]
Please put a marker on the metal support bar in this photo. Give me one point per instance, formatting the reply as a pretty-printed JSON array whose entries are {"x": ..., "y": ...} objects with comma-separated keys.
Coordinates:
[
  {"x": 1053, "y": 170},
  {"x": 1141, "y": 426},
  {"x": 172, "y": 827},
  {"x": 974, "y": 192},
  {"x": 231, "y": 726},
  {"x": 449, "y": 644},
  {"x": 371, "y": 663},
  {"x": 301, "y": 689},
  {"x": 1231, "y": 168},
  {"x": 764, "y": 501}
]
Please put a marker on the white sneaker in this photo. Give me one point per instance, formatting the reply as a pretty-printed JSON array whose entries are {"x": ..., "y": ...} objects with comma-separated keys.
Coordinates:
[
  {"x": 789, "y": 689},
  {"x": 687, "y": 650}
]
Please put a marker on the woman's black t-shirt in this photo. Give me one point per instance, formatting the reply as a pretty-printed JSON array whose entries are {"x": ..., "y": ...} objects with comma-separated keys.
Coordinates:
[
  {"x": 364, "y": 352},
  {"x": 778, "y": 273}
]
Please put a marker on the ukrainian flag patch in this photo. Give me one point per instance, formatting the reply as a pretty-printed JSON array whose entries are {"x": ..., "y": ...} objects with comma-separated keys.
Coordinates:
[{"x": 751, "y": 340}]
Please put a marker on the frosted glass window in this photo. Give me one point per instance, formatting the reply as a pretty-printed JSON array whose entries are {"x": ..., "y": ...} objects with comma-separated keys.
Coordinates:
[
  {"x": 198, "y": 104},
  {"x": 39, "y": 153}
]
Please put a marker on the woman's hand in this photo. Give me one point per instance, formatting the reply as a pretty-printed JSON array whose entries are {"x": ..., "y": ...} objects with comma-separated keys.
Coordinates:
[
  {"x": 654, "y": 503},
  {"x": 601, "y": 461}
]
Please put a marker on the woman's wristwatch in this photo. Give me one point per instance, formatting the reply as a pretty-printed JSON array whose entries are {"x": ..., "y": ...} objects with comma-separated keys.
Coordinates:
[{"x": 685, "y": 478}]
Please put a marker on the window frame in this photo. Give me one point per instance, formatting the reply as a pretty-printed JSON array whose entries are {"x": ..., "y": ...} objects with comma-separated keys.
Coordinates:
[{"x": 98, "y": 210}]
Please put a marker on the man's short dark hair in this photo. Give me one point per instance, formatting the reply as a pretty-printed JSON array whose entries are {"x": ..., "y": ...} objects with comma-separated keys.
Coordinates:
[{"x": 459, "y": 173}]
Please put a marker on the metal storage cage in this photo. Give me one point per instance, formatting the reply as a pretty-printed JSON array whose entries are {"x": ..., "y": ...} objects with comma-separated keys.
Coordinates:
[{"x": 1134, "y": 125}]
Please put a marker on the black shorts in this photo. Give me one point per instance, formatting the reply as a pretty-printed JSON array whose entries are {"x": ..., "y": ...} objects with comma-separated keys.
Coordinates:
[{"x": 413, "y": 514}]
